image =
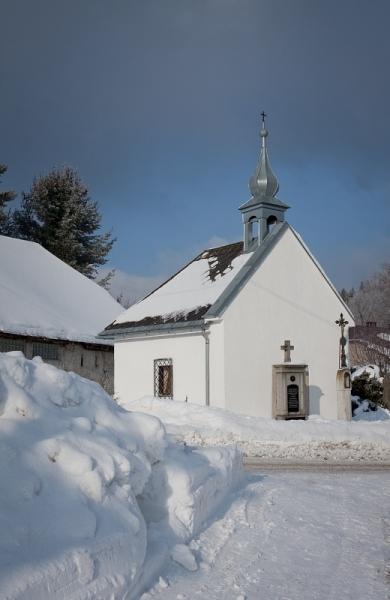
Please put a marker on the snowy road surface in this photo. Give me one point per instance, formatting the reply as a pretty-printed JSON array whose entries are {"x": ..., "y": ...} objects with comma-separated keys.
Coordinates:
[{"x": 293, "y": 536}]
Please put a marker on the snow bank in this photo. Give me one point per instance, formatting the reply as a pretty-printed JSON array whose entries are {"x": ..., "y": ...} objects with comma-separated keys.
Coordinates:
[
  {"x": 81, "y": 481},
  {"x": 364, "y": 412},
  {"x": 183, "y": 493},
  {"x": 314, "y": 439},
  {"x": 192, "y": 493}
]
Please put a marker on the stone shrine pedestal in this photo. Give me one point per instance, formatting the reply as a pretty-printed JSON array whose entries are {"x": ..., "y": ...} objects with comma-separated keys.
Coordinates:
[
  {"x": 343, "y": 390},
  {"x": 290, "y": 391}
]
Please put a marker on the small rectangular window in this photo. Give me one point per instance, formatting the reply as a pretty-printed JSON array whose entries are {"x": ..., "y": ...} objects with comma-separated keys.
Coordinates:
[
  {"x": 10, "y": 345},
  {"x": 163, "y": 378},
  {"x": 45, "y": 351}
]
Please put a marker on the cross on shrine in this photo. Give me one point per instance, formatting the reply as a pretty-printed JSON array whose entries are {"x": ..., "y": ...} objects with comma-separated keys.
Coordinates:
[
  {"x": 287, "y": 348},
  {"x": 341, "y": 322},
  {"x": 263, "y": 115}
]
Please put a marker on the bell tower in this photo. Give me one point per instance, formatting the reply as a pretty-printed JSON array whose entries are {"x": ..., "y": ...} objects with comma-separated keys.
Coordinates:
[{"x": 263, "y": 209}]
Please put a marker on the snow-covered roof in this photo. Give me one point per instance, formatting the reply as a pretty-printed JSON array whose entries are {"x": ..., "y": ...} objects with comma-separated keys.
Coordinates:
[
  {"x": 189, "y": 294},
  {"x": 42, "y": 296}
]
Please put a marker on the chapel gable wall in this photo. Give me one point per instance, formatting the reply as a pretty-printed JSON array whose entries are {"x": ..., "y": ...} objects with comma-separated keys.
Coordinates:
[{"x": 286, "y": 298}]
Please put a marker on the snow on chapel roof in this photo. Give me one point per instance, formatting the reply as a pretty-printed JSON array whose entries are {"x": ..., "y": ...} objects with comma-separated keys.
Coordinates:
[
  {"x": 189, "y": 294},
  {"x": 42, "y": 296}
]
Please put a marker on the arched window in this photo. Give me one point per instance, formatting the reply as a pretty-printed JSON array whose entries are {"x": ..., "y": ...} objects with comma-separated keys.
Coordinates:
[
  {"x": 271, "y": 222},
  {"x": 254, "y": 230}
]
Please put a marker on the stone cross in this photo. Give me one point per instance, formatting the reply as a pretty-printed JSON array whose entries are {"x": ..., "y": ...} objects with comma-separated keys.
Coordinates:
[
  {"x": 287, "y": 347},
  {"x": 341, "y": 322}
]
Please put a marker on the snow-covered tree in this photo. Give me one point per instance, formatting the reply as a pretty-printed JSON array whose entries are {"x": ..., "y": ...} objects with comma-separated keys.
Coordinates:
[
  {"x": 5, "y": 197},
  {"x": 58, "y": 213},
  {"x": 368, "y": 388}
]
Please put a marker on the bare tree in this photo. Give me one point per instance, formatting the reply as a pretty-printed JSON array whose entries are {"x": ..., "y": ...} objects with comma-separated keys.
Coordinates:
[{"x": 371, "y": 302}]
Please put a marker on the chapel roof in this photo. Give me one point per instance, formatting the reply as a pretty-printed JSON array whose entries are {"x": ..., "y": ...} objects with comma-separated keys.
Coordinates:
[
  {"x": 188, "y": 294},
  {"x": 202, "y": 289}
]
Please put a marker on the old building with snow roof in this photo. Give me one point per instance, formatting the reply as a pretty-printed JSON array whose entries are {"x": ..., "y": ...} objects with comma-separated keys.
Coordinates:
[
  {"x": 49, "y": 309},
  {"x": 212, "y": 334}
]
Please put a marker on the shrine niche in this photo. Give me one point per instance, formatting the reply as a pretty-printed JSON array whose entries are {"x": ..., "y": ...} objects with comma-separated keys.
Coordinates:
[
  {"x": 343, "y": 393},
  {"x": 290, "y": 388}
]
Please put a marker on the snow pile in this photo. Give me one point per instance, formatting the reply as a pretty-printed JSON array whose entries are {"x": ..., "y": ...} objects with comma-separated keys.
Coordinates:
[
  {"x": 82, "y": 480},
  {"x": 371, "y": 370},
  {"x": 184, "y": 491},
  {"x": 196, "y": 493},
  {"x": 40, "y": 295},
  {"x": 314, "y": 439},
  {"x": 183, "y": 556},
  {"x": 364, "y": 411},
  {"x": 190, "y": 289}
]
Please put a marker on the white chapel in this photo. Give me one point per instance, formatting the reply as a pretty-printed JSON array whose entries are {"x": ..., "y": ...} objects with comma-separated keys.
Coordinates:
[{"x": 249, "y": 326}]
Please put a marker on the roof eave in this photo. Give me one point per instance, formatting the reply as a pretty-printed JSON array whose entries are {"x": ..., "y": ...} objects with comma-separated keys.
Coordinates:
[
  {"x": 53, "y": 337},
  {"x": 149, "y": 330},
  {"x": 262, "y": 200}
]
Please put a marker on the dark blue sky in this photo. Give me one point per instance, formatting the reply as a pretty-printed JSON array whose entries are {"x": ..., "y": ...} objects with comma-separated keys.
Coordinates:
[{"x": 157, "y": 103}]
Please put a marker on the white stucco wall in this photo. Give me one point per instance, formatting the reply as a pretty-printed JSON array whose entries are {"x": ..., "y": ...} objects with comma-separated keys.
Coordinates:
[
  {"x": 134, "y": 366},
  {"x": 217, "y": 364},
  {"x": 287, "y": 298}
]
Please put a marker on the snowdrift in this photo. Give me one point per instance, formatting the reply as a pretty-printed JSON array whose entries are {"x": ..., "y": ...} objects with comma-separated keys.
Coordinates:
[
  {"x": 82, "y": 479},
  {"x": 314, "y": 439}
]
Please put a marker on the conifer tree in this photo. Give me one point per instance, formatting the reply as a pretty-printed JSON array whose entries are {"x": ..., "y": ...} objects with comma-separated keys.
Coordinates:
[
  {"x": 5, "y": 197},
  {"x": 58, "y": 213}
]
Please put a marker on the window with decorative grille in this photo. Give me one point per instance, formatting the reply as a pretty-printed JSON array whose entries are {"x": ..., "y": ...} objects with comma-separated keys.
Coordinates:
[
  {"x": 9, "y": 345},
  {"x": 163, "y": 378},
  {"x": 45, "y": 351}
]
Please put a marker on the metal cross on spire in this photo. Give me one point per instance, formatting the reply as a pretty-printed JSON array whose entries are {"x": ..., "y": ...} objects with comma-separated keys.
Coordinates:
[{"x": 263, "y": 182}]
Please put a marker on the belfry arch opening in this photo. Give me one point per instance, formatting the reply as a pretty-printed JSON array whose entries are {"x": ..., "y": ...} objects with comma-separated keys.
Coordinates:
[
  {"x": 254, "y": 230},
  {"x": 271, "y": 222}
]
